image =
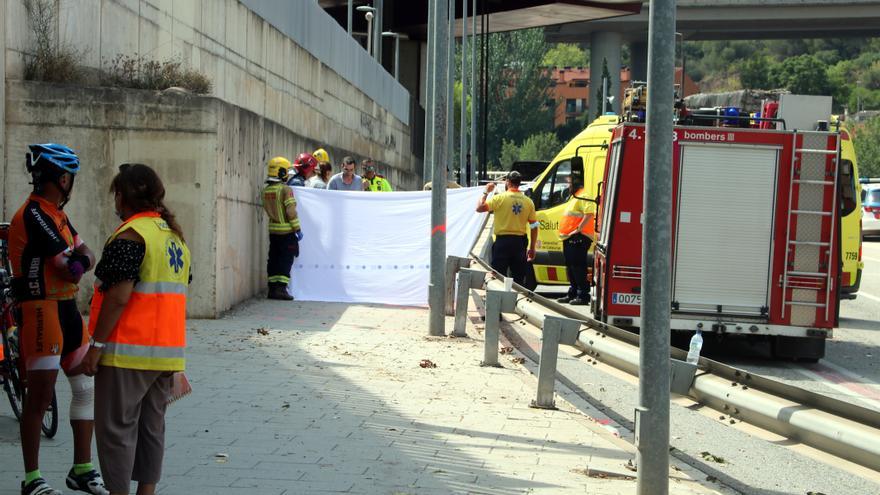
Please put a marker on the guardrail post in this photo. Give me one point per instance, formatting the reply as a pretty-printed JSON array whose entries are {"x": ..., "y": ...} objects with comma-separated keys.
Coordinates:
[
  {"x": 467, "y": 280},
  {"x": 453, "y": 264},
  {"x": 556, "y": 331},
  {"x": 681, "y": 376},
  {"x": 497, "y": 302}
]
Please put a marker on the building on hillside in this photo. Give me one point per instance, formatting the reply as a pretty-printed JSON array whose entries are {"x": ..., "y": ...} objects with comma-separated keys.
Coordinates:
[{"x": 570, "y": 91}]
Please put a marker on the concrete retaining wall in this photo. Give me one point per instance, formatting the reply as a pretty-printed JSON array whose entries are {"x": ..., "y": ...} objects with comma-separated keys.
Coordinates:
[
  {"x": 358, "y": 109},
  {"x": 210, "y": 155}
]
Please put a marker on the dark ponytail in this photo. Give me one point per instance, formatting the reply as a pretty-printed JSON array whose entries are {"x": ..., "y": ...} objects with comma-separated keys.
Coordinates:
[{"x": 142, "y": 190}]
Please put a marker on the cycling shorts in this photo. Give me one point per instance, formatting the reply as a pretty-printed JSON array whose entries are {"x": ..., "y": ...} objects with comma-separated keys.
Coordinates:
[{"x": 52, "y": 335}]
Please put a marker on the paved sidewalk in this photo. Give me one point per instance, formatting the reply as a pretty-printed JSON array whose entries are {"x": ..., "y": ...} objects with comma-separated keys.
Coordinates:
[{"x": 305, "y": 398}]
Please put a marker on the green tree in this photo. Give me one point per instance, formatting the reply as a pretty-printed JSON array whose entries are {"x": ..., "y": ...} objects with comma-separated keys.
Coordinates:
[
  {"x": 541, "y": 146},
  {"x": 600, "y": 86},
  {"x": 565, "y": 55},
  {"x": 509, "y": 153},
  {"x": 803, "y": 74},
  {"x": 754, "y": 73},
  {"x": 519, "y": 100},
  {"x": 866, "y": 138}
]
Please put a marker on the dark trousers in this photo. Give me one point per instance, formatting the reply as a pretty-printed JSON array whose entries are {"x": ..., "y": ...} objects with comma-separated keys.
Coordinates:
[
  {"x": 509, "y": 253},
  {"x": 575, "y": 249},
  {"x": 283, "y": 248}
]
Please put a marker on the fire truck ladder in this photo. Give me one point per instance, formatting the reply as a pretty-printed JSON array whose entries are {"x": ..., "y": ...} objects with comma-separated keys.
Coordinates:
[{"x": 811, "y": 226}]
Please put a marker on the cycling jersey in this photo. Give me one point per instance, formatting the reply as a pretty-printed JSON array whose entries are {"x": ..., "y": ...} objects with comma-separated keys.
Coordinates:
[{"x": 39, "y": 231}]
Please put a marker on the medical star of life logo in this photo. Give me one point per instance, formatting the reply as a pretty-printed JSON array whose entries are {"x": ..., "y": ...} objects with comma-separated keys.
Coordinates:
[
  {"x": 517, "y": 208},
  {"x": 175, "y": 257}
]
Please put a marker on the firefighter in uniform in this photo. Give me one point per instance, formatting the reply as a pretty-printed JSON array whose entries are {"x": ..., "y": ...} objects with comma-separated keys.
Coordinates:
[
  {"x": 284, "y": 228},
  {"x": 372, "y": 181},
  {"x": 514, "y": 218},
  {"x": 48, "y": 258},
  {"x": 576, "y": 230}
]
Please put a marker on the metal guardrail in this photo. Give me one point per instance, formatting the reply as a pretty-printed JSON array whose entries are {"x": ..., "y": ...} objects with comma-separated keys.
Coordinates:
[{"x": 846, "y": 430}]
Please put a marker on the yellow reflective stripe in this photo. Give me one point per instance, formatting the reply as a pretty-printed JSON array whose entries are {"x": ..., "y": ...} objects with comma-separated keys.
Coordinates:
[
  {"x": 143, "y": 363},
  {"x": 295, "y": 224},
  {"x": 280, "y": 228},
  {"x": 279, "y": 278}
]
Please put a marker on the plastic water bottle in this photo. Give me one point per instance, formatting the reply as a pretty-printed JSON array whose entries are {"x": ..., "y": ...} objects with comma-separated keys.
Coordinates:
[{"x": 694, "y": 350}]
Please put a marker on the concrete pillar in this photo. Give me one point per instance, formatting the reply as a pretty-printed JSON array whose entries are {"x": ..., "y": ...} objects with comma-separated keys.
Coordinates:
[
  {"x": 638, "y": 56},
  {"x": 3, "y": 14},
  {"x": 604, "y": 45}
]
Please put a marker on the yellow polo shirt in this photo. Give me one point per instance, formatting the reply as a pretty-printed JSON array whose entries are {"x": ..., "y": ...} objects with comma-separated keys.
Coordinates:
[{"x": 514, "y": 211}]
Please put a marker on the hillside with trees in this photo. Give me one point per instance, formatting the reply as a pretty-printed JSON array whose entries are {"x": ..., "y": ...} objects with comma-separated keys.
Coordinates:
[{"x": 520, "y": 115}]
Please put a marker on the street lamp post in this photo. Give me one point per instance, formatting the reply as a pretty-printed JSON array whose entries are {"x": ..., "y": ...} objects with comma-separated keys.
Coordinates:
[
  {"x": 368, "y": 15},
  {"x": 396, "y": 37}
]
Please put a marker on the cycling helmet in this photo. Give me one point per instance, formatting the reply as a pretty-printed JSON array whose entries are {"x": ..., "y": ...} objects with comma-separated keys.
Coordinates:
[
  {"x": 52, "y": 155},
  {"x": 305, "y": 162}
]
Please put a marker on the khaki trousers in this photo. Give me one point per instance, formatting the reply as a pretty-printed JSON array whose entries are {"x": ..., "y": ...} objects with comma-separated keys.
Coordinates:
[{"x": 130, "y": 425}]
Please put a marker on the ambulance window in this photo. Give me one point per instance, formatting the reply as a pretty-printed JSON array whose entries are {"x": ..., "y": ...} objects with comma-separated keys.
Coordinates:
[
  {"x": 555, "y": 189},
  {"x": 847, "y": 188}
]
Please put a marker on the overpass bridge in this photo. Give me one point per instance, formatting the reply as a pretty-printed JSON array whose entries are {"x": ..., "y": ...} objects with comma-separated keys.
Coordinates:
[{"x": 720, "y": 20}]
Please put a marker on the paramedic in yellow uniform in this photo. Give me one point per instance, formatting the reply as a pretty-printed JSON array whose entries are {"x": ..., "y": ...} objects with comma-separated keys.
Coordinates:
[{"x": 514, "y": 217}]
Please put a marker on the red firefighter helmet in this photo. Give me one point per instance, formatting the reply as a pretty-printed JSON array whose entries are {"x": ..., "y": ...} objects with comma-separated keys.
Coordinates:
[{"x": 305, "y": 162}]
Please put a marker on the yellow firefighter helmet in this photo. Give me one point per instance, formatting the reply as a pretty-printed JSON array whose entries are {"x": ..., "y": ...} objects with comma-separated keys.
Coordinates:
[
  {"x": 321, "y": 155},
  {"x": 277, "y": 168}
]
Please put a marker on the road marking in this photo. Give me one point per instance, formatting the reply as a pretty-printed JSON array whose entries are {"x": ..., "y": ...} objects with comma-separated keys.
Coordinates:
[{"x": 833, "y": 376}]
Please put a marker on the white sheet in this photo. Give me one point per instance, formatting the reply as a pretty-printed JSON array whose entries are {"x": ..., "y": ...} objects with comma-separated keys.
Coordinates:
[{"x": 375, "y": 247}]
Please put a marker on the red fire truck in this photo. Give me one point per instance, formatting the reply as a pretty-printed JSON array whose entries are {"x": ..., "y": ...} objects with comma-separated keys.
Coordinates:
[{"x": 755, "y": 234}]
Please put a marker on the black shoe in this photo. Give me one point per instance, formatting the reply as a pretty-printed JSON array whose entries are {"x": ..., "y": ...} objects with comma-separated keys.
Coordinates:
[
  {"x": 90, "y": 482},
  {"x": 580, "y": 301},
  {"x": 280, "y": 294},
  {"x": 564, "y": 300},
  {"x": 38, "y": 487}
]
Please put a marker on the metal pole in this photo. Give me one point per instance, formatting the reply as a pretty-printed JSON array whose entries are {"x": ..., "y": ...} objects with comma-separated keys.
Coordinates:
[
  {"x": 652, "y": 417},
  {"x": 437, "y": 289},
  {"x": 369, "y": 16},
  {"x": 473, "y": 147},
  {"x": 604, "y": 95},
  {"x": 350, "y": 12},
  {"x": 397, "y": 57},
  {"x": 377, "y": 26},
  {"x": 428, "y": 159},
  {"x": 462, "y": 152},
  {"x": 450, "y": 108},
  {"x": 484, "y": 162}
]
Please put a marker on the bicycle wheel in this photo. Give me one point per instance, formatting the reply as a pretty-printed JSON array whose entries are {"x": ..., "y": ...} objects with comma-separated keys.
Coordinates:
[
  {"x": 50, "y": 418},
  {"x": 13, "y": 384}
]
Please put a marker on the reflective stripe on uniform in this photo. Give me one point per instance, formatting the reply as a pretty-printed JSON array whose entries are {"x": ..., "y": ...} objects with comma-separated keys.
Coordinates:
[
  {"x": 279, "y": 279},
  {"x": 143, "y": 351},
  {"x": 160, "y": 288}
]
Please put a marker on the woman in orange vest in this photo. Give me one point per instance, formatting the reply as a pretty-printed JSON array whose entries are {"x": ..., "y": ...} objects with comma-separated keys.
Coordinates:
[{"x": 138, "y": 328}]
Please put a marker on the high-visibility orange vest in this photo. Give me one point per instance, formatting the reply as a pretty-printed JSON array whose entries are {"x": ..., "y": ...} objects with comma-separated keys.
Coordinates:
[
  {"x": 151, "y": 333},
  {"x": 574, "y": 214}
]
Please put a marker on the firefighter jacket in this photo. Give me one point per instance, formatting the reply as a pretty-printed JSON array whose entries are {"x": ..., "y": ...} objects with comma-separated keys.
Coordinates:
[
  {"x": 151, "y": 333},
  {"x": 277, "y": 196}
]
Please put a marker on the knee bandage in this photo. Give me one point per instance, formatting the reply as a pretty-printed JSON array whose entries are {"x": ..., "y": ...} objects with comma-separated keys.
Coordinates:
[{"x": 82, "y": 402}]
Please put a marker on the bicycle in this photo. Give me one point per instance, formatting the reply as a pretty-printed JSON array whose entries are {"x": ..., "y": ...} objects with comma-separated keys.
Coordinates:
[{"x": 12, "y": 366}]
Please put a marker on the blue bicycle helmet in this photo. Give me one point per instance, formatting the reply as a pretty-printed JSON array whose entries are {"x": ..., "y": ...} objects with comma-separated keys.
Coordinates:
[
  {"x": 57, "y": 155},
  {"x": 47, "y": 163}
]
